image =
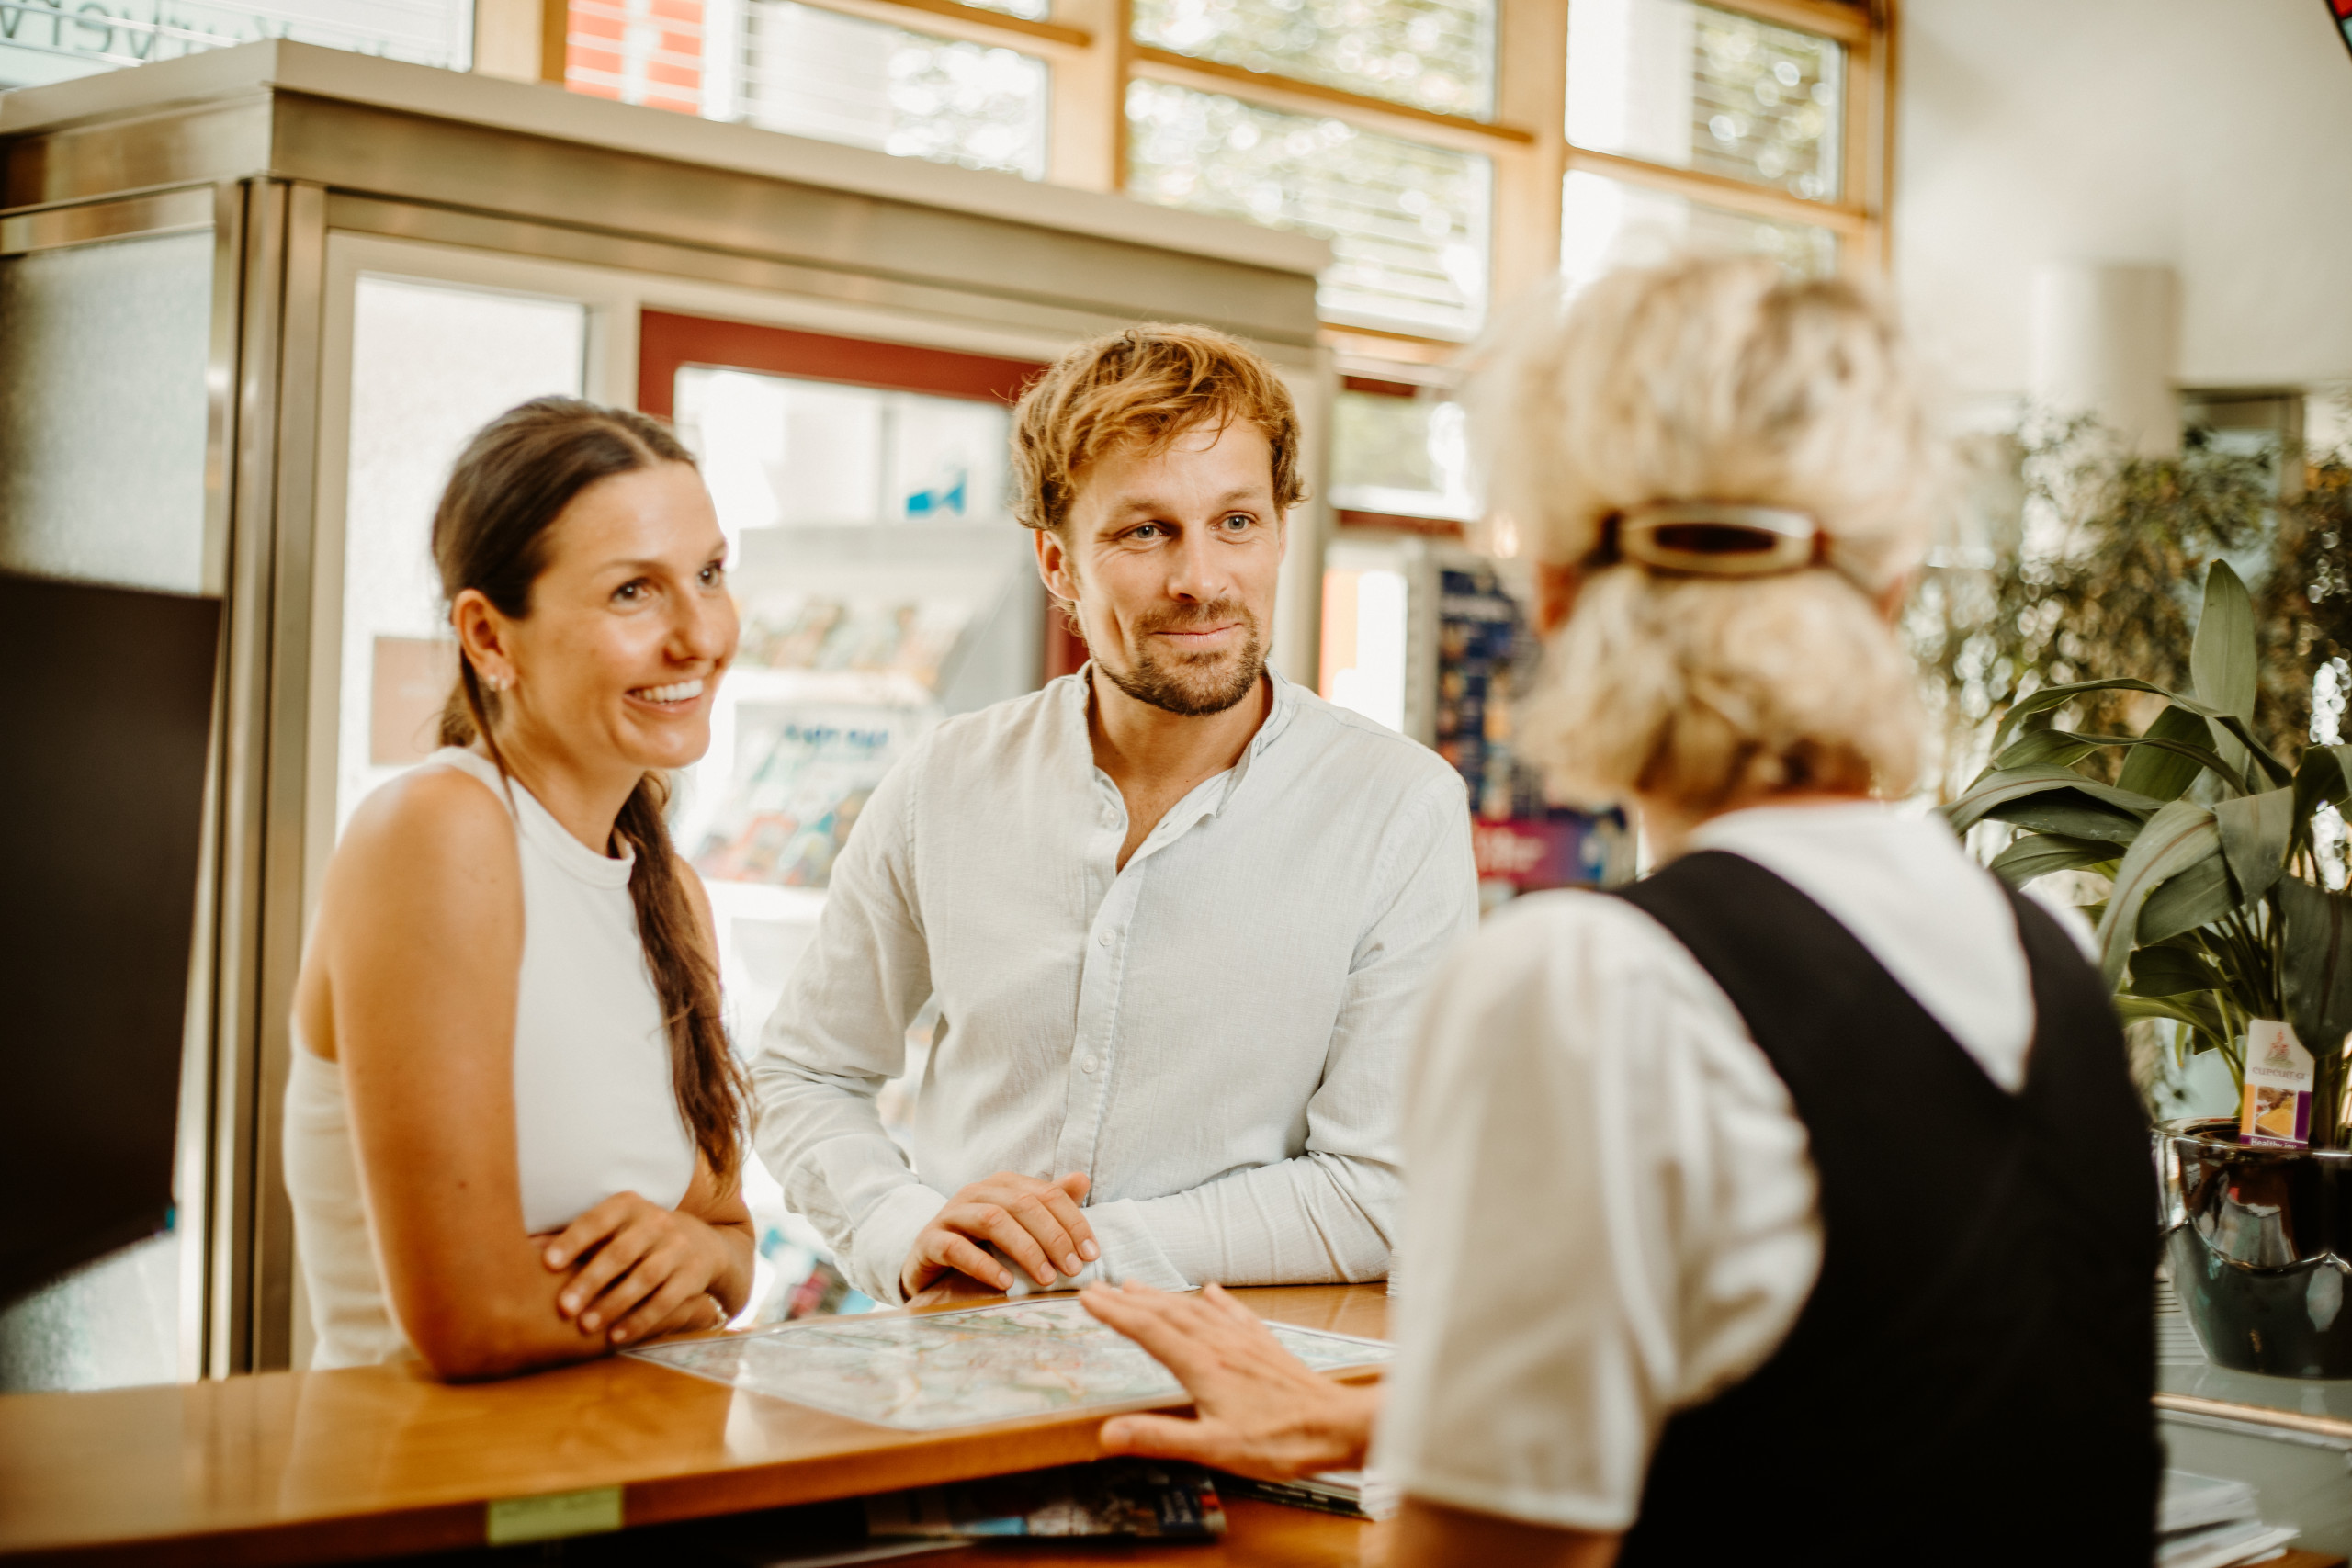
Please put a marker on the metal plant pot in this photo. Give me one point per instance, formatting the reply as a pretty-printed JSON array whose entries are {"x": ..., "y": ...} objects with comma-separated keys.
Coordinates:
[{"x": 2257, "y": 1240}]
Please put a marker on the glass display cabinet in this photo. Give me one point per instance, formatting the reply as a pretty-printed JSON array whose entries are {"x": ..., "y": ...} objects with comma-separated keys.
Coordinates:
[{"x": 251, "y": 301}]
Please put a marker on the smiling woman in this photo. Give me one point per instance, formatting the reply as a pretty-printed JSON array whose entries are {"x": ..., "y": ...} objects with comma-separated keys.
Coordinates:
[{"x": 513, "y": 1126}]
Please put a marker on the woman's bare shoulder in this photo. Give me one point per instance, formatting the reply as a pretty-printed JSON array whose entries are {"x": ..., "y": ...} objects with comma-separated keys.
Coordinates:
[
  {"x": 426, "y": 874},
  {"x": 428, "y": 821}
]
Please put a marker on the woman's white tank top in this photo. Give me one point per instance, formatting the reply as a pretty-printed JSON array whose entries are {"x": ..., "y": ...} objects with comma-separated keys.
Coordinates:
[{"x": 596, "y": 1112}]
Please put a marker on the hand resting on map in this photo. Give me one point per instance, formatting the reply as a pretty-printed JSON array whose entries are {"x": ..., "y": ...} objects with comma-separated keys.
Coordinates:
[
  {"x": 1036, "y": 1223},
  {"x": 1263, "y": 1412}
]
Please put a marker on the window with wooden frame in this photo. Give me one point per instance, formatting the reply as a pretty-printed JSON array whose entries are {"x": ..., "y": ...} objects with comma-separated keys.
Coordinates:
[{"x": 1455, "y": 153}]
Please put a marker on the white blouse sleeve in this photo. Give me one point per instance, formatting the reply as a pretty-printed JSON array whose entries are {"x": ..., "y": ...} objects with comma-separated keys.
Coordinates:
[{"x": 1610, "y": 1216}]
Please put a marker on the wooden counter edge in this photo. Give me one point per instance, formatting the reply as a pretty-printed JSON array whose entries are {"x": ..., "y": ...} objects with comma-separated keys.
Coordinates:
[
  {"x": 966, "y": 1455},
  {"x": 948, "y": 1455},
  {"x": 2333, "y": 1428}
]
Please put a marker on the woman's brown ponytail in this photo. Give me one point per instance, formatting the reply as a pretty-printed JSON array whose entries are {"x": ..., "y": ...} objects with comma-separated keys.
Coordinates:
[{"x": 489, "y": 534}]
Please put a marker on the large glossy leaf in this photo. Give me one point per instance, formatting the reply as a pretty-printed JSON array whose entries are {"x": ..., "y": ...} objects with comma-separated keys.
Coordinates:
[
  {"x": 2176, "y": 837},
  {"x": 2170, "y": 971},
  {"x": 2162, "y": 775},
  {"x": 2055, "y": 747},
  {"x": 2256, "y": 832},
  {"x": 2194, "y": 753},
  {"x": 2035, "y": 703},
  {"x": 2039, "y": 855},
  {"x": 2222, "y": 657},
  {"x": 2316, "y": 977},
  {"x": 2198, "y": 896},
  {"x": 2198, "y": 1011},
  {"x": 2004, "y": 786},
  {"x": 2073, "y": 814},
  {"x": 2049, "y": 697}
]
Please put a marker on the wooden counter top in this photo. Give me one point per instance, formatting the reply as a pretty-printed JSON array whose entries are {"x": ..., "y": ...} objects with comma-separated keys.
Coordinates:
[{"x": 304, "y": 1467}]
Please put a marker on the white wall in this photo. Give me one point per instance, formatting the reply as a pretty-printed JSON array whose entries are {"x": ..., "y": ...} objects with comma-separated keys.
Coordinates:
[{"x": 2211, "y": 136}]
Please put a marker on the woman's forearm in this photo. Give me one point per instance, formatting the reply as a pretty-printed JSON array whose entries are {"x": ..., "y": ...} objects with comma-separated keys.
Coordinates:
[
  {"x": 523, "y": 1311},
  {"x": 731, "y": 1287},
  {"x": 505, "y": 1322}
]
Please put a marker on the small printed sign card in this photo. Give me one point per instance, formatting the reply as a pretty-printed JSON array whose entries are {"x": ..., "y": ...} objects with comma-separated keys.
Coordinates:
[{"x": 2276, "y": 1109}]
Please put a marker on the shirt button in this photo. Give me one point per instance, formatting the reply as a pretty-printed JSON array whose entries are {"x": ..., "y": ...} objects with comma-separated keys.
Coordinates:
[
  {"x": 1102, "y": 941},
  {"x": 1087, "y": 1065}
]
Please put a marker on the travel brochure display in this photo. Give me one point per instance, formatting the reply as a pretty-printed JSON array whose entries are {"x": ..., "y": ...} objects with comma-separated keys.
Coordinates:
[
  {"x": 964, "y": 1369},
  {"x": 817, "y": 764},
  {"x": 1522, "y": 842},
  {"x": 910, "y": 638},
  {"x": 827, "y": 693}
]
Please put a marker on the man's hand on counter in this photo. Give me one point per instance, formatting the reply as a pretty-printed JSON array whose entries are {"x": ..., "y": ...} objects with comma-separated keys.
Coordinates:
[
  {"x": 1263, "y": 1412},
  {"x": 1036, "y": 1223}
]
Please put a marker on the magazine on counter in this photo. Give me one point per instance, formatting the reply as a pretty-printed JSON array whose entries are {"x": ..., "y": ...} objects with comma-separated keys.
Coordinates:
[{"x": 1148, "y": 1499}]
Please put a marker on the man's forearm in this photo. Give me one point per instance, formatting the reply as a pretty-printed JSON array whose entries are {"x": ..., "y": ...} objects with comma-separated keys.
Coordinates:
[
  {"x": 822, "y": 1139},
  {"x": 1316, "y": 1219}
]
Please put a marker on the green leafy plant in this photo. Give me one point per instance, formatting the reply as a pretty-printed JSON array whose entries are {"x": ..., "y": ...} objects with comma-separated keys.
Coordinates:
[
  {"x": 2109, "y": 587},
  {"x": 2218, "y": 912}
]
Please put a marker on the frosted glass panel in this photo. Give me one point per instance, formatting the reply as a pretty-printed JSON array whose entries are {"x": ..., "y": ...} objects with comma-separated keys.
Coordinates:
[
  {"x": 102, "y": 411},
  {"x": 430, "y": 365},
  {"x": 1364, "y": 643},
  {"x": 815, "y": 73},
  {"x": 49, "y": 40},
  {"x": 1401, "y": 456},
  {"x": 1433, "y": 54},
  {"x": 1606, "y": 224},
  {"x": 1689, "y": 85},
  {"x": 778, "y": 450},
  {"x": 110, "y": 1324},
  {"x": 1408, "y": 222}
]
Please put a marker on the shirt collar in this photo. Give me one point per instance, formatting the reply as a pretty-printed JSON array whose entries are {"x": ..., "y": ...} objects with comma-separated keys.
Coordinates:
[{"x": 1278, "y": 714}]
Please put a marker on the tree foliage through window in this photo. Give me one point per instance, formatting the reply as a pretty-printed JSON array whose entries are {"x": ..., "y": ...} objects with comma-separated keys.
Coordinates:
[{"x": 1433, "y": 54}]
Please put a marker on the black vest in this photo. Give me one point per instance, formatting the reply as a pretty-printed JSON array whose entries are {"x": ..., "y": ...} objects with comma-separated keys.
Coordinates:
[{"x": 1971, "y": 1379}]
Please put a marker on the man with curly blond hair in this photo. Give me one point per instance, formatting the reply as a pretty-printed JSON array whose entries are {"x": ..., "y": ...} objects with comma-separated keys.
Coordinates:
[{"x": 1176, "y": 912}]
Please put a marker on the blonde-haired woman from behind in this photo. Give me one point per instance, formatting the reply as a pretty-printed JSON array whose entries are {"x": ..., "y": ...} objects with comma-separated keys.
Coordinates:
[{"x": 1797, "y": 1192}]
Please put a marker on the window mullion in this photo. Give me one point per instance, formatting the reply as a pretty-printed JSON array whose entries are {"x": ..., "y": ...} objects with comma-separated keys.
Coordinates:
[
  {"x": 1870, "y": 137},
  {"x": 1718, "y": 190},
  {"x": 1294, "y": 97},
  {"x": 1850, "y": 25},
  {"x": 1088, "y": 134},
  {"x": 966, "y": 24},
  {"x": 1530, "y": 89}
]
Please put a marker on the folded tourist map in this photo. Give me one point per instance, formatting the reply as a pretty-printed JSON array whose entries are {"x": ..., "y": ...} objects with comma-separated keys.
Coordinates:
[{"x": 962, "y": 1368}]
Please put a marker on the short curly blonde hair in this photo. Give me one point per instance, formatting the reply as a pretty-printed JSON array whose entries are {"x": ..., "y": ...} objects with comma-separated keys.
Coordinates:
[
  {"x": 1718, "y": 380},
  {"x": 1143, "y": 386}
]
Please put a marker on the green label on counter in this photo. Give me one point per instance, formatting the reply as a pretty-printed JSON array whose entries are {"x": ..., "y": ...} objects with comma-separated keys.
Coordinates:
[{"x": 556, "y": 1514}]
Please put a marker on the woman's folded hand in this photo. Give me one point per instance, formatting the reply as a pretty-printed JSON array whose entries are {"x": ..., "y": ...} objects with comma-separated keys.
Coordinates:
[{"x": 639, "y": 1269}]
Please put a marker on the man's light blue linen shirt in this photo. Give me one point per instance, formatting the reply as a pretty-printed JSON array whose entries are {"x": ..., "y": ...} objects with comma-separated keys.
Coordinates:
[{"x": 1214, "y": 1033}]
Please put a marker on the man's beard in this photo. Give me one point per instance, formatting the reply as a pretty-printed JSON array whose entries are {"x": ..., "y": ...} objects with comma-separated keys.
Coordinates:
[{"x": 1192, "y": 684}]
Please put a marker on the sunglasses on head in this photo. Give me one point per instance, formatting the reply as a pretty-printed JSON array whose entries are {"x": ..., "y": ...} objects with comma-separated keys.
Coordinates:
[{"x": 1715, "y": 539}]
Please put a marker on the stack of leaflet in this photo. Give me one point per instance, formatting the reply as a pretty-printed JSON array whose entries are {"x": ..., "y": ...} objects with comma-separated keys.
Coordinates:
[
  {"x": 1351, "y": 1492},
  {"x": 1111, "y": 1497},
  {"x": 2202, "y": 1522}
]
